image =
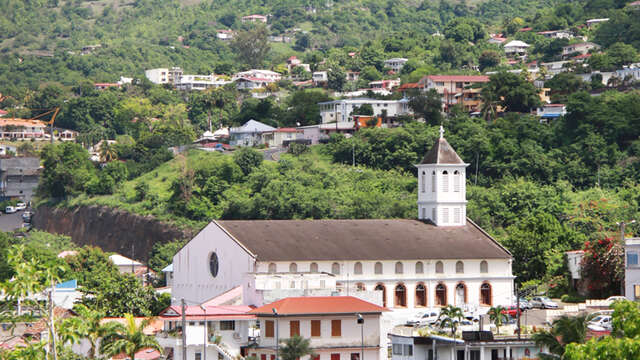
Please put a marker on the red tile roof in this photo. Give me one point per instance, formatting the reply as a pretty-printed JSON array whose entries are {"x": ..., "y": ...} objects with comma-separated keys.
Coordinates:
[
  {"x": 463, "y": 78},
  {"x": 146, "y": 354},
  {"x": 524, "y": 29},
  {"x": 319, "y": 305},
  {"x": 409, "y": 86}
]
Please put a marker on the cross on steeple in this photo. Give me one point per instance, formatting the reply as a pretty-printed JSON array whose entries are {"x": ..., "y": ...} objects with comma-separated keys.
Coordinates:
[{"x": 441, "y": 132}]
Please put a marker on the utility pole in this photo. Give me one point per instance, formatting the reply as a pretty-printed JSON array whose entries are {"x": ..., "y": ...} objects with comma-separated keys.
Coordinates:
[
  {"x": 52, "y": 329},
  {"x": 184, "y": 330},
  {"x": 518, "y": 309}
]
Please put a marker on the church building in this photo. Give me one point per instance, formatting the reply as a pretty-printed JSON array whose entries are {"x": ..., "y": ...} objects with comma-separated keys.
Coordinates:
[{"x": 439, "y": 258}]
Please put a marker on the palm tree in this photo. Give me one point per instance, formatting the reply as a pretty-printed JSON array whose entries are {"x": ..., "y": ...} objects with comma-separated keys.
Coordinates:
[
  {"x": 564, "y": 330},
  {"x": 87, "y": 325},
  {"x": 295, "y": 348},
  {"x": 450, "y": 316},
  {"x": 107, "y": 152},
  {"x": 497, "y": 316},
  {"x": 128, "y": 338}
]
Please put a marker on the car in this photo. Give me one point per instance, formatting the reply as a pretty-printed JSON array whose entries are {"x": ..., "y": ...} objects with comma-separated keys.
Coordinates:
[
  {"x": 423, "y": 319},
  {"x": 543, "y": 302},
  {"x": 511, "y": 311},
  {"x": 524, "y": 304},
  {"x": 21, "y": 206},
  {"x": 600, "y": 323},
  {"x": 10, "y": 210},
  {"x": 612, "y": 299},
  {"x": 26, "y": 216},
  {"x": 464, "y": 325}
]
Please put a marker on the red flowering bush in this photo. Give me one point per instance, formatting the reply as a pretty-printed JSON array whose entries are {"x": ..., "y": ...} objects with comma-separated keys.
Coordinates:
[{"x": 603, "y": 267}]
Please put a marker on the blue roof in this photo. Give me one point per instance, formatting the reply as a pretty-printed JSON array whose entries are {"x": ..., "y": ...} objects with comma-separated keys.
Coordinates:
[{"x": 71, "y": 285}]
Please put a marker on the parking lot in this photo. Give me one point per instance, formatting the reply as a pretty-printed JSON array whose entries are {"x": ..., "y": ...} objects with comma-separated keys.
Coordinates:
[{"x": 11, "y": 222}]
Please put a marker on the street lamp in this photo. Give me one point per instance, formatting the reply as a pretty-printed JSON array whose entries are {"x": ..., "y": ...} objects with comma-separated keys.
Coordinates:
[
  {"x": 361, "y": 322},
  {"x": 204, "y": 331},
  {"x": 275, "y": 313}
]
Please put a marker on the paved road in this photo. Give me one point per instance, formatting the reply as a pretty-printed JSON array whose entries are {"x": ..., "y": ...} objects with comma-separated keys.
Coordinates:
[{"x": 10, "y": 222}]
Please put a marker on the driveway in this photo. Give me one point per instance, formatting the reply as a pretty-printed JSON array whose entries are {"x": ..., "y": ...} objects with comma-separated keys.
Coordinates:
[{"x": 10, "y": 222}]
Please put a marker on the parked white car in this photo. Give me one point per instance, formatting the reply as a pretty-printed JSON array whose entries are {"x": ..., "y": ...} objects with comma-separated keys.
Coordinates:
[
  {"x": 600, "y": 323},
  {"x": 10, "y": 210},
  {"x": 424, "y": 318},
  {"x": 21, "y": 206},
  {"x": 612, "y": 299},
  {"x": 543, "y": 302}
]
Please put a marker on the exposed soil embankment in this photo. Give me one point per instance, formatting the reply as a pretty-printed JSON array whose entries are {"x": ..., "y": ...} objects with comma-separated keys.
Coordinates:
[{"x": 110, "y": 229}]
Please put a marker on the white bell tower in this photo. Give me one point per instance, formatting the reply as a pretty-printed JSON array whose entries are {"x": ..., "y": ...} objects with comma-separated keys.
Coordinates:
[{"x": 442, "y": 185}]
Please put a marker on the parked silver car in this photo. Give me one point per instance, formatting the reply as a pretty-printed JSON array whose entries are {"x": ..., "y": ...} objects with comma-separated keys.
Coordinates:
[{"x": 543, "y": 302}]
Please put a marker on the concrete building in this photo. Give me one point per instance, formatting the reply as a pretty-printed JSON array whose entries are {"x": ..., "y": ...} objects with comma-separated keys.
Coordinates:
[
  {"x": 249, "y": 134},
  {"x": 19, "y": 177},
  {"x": 22, "y": 129},
  {"x": 199, "y": 82},
  {"x": 319, "y": 77},
  {"x": 632, "y": 269},
  {"x": 254, "y": 18},
  {"x": 551, "y": 111},
  {"x": 579, "y": 48},
  {"x": 341, "y": 110},
  {"x": 259, "y": 74},
  {"x": 164, "y": 75},
  {"x": 450, "y": 87},
  {"x": 222, "y": 331},
  {"x": 330, "y": 323},
  {"x": 516, "y": 48},
  {"x": 395, "y": 64},
  {"x": 574, "y": 262},
  {"x": 593, "y": 22},
  {"x": 281, "y": 136}
]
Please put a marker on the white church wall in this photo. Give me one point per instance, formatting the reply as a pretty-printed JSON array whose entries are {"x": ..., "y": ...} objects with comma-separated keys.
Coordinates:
[{"x": 193, "y": 280}]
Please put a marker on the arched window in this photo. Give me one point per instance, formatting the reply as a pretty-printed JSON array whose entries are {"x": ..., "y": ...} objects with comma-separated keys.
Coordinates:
[
  {"x": 433, "y": 181},
  {"x": 382, "y": 288},
  {"x": 484, "y": 267},
  {"x": 399, "y": 269},
  {"x": 272, "y": 268},
  {"x": 461, "y": 295},
  {"x": 459, "y": 267},
  {"x": 419, "y": 267},
  {"x": 335, "y": 269},
  {"x": 378, "y": 268},
  {"x": 313, "y": 268},
  {"x": 293, "y": 268},
  {"x": 456, "y": 181},
  {"x": 445, "y": 181},
  {"x": 439, "y": 267},
  {"x": 360, "y": 287},
  {"x": 423, "y": 181},
  {"x": 400, "y": 296},
  {"x": 357, "y": 268},
  {"x": 441, "y": 295},
  {"x": 485, "y": 294},
  {"x": 421, "y": 295}
]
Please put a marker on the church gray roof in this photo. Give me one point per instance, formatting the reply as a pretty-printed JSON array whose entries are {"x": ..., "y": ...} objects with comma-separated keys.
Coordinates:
[
  {"x": 383, "y": 239},
  {"x": 441, "y": 153}
]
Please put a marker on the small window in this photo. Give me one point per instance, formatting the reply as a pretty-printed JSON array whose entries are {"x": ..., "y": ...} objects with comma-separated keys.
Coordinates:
[
  {"x": 268, "y": 328},
  {"x": 433, "y": 214},
  {"x": 294, "y": 328},
  {"x": 336, "y": 328},
  {"x": 272, "y": 268},
  {"x": 293, "y": 268},
  {"x": 459, "y": 267},
  {"x": 197, "y": 356},
  {"x": 485, "y": 294},
  {"x": 335, "y": 269},
  {"x": 378, "y": 268},
  {"x": 227, "y": 325},
  {"x": 632, "y": 259},
  {"x": 484, "y": 267},
  {"x": 313, "y": 268},
  {"x": 419, "y": 267},
  {"x": 399, "y": 268},
  {"x": 456, "y": 181},
  {"x": 433, "y": 181},
  {"x": 357, "y": 268},
  {"x": 423, "y": 182},
  {"x": 400, "y": 296},
  {"x": 445, "y": 181},
  {"x": 213, "y": 264},
  {"x": 636, "y": 292},
  {"x": 439, "y": 267},
  {"x": 421, "y": 295},
  {"x": 407, "y": 349},
  {"x": 316, "y": 328}
]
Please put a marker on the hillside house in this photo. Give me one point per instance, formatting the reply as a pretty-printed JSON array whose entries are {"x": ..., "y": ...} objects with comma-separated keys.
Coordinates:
[
  {"x": 19, "y": 177},
  {"x": 341, "y": 110},
  {"x": 516, "y": 49},
  {"x": 593, "y": 22},
  {"x": 21, "y": 129},
  {"x": 164, "y": 75},
  {"x": 557, "y": 34},
  {"x": 579, "y": 48},
  {"x": 395, "y": 64},
  {"x": 320, "y": 77},
  {"x": 200, "y": 82},
  {"x": 450, "y": 86},
  {"x": 632, "y": 269},
  {"x": 384, "y": 84},
  {"x": 281, "y": 137},
  {"x": 254, "y": 18},
  {"x": 551, "y": 111},
  {"x": 293, "y": 62},
  {"x": 249, "y": 134},
  {"x": 225, "y": 35},
  {"x": 338, "y": 327}
]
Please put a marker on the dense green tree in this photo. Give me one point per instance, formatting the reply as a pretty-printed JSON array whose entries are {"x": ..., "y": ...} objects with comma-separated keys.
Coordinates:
[
  {"x": 428, "y": 106},
  {"x": 129, "y": 338},
  {"x": 67, "y": 169},
  {"x": 622, "y": 54},
  {"x": 511, "y": 91},
  {"x": 302, "y": 107},
  {"x": 488, "y": 59},
  {"x": 336, "y": 78},
  {"x": 248, "y": 159},
  {"x": 252, "y": 46}
]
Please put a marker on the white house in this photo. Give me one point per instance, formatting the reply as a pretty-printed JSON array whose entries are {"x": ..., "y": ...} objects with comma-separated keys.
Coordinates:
[
  {"x": 437, "y": 259},
  {"x": 592, "y": 22},
  {"x": 342, "y": 109},
  {"x": 164, "y": 75},
  {"x": 319, "y": 77},
  {"x": 199, "y": 82},
  {"x": 259, "y": 74},
  {"x": 516, "y": 48},
  {"x": 254, "y": 18},
  {"x": 557, "y": 34},
  {"x": 477, "y": 345},
  {"x": 338, "y": 327},
  {"x": 574, "y": 262},
  {"x": 249, "y": 134},
  {"x": 632, "y": 269},
  {"x": 281, "y": 136},
  {"x": 220, "y": 330},
  {"x": 581, "y": 48},
  {"x": 395, "y": 64},
  {"x": 551, "y": 111}
]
